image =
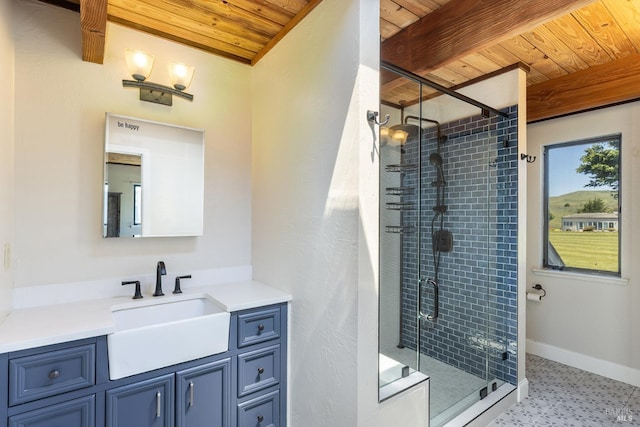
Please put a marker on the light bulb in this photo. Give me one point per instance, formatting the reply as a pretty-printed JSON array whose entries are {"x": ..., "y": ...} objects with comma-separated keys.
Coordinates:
[
  {"x": 139, "y": 64},
  {"x": 399, "y": 137},
  {"x": 181, "y": 75}
]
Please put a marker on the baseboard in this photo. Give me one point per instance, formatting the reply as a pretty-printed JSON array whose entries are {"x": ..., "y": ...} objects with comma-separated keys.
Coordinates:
[{"x": 605, "y": 368}]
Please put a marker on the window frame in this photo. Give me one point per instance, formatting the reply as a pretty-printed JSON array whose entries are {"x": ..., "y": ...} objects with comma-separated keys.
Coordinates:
[{"x": 545, "y": 204}]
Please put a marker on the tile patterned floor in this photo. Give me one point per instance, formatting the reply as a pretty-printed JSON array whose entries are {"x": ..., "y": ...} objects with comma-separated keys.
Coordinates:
[{"x": 560, "y": 395}]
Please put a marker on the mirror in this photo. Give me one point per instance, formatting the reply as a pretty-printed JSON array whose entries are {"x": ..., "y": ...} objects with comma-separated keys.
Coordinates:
[{"x": 153, "y": 179}]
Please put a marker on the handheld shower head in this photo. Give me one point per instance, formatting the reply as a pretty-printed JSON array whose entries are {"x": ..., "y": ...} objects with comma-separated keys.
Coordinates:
[{"x": 435, "y": 159}]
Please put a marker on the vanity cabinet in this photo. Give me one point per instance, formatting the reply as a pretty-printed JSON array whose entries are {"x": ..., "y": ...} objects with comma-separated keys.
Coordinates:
[
  {"x": 261, "y": 362},
  {"x": 68, "y": 384}
]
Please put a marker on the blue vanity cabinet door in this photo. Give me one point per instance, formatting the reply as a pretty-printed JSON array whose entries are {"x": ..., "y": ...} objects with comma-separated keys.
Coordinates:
[
  {"x": 203, "y": 395},
  {"x": 146, "y": 403},
  {"x": 74, "y": 413}
]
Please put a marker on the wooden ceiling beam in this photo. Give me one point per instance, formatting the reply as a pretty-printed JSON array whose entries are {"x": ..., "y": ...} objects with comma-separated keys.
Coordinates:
[
  {"x": 93, "y": 23},
  {"x": 462, "y": 27},
  {"x": 595, "y": 87}
]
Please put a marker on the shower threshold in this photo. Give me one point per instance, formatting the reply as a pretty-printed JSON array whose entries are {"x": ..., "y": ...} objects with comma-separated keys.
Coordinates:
[{"x": 488, "y": 408}]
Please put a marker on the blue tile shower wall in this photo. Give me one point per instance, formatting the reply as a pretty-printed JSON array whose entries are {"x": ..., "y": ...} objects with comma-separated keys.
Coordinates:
[{"x": 477, "y": 279}]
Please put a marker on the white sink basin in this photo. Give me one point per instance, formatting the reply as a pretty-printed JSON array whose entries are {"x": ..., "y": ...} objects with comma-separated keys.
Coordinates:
[{"x": 151, "y": 334}]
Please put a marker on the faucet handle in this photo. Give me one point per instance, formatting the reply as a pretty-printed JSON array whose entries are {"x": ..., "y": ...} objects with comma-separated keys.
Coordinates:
[
  {"x": 176, "y": 289},
  {"x": 137, "y": 294}
]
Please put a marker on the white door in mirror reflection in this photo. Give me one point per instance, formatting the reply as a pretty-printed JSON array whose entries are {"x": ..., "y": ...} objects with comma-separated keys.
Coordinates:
[
  {"x": 154, "y": 179},
  {"x": 124, "y": 201}
]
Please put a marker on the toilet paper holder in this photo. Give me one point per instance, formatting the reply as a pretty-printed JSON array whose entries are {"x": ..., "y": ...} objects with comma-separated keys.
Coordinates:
[{"x": 538, "y": 287}]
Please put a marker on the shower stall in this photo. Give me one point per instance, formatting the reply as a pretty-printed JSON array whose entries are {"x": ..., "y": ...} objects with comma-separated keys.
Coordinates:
[{"x": 448, "y": 244}]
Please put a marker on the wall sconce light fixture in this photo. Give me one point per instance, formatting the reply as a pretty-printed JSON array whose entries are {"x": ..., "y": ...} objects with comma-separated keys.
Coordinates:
[
  {"x": 140, "y": 65},
  {"x": 394, "y": 136}
]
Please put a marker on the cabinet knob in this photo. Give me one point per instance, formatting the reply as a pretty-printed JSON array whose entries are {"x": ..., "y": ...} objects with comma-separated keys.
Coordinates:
[
  {"x": 54, "y": 375},
  {"x": 260, "y": 418},
  {"x": 261, "y": 327},
  {"x": 261, "y": 371}
]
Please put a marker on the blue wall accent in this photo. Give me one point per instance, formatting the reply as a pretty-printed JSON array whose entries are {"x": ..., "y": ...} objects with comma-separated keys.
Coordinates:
[{"x": 478, "y": 278}]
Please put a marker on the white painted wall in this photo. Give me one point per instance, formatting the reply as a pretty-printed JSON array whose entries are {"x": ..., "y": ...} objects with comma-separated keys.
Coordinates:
[
  {"x": 315, "y": 213},
  {"x": 59, "y": 135},
  {"x": 7, "y": 59},
  {"x": 586, "y": 321}
]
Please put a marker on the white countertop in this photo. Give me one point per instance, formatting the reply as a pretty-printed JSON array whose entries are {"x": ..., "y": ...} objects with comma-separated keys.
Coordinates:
[{"x": 38, "y": 326}]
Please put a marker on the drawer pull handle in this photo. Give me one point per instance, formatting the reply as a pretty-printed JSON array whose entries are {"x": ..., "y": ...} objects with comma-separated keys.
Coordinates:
[
  {"x": 260, "y": 371},
  {"x": 261, "y": 327},
  {"x": 158, "y": 404},
  {"x": 191, "y": 393},
  {"x": 260, "y": 418},
  {"x": 54, "y": 375}
]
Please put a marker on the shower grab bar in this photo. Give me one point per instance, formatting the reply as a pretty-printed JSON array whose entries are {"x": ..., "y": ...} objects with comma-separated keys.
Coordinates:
[{"x": 436, "y": 292}]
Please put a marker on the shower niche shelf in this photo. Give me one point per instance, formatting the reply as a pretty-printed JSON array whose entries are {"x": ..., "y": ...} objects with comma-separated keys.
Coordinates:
[
  {"x": 401, "y": 167},
  {"x": 400, "y": 229},
  {"x": 399, "y": 191},
  {"x": 401, "y": 206}
]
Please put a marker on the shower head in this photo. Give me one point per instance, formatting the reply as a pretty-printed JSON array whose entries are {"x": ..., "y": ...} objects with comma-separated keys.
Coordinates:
[{"x": 435, "y": 159}]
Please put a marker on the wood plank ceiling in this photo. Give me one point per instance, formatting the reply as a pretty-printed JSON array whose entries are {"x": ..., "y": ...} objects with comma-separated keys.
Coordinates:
[
  {"x": 242, "y": 30},
  {"x": 579, "y": 54}
]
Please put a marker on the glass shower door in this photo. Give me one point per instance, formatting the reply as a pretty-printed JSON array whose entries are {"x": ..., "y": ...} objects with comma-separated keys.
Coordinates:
[
  {"x": 453, "y": 268},
  {"x": 448, "y": 249}
]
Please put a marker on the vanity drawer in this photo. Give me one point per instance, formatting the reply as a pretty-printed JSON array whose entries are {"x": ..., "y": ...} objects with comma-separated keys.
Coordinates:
[
  {"x": 258, "y": 326},
  {"x": 263, "y": 411},
  {"x": 75, "y": 413},
  {"x": 258, "y": 369},
  {"x": 46, "y": 374}
]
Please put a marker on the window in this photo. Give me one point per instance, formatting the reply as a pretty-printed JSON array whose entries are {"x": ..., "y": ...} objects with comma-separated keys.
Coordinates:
[
  {"x": 137, "y": 204},
  {"x": 582, "y": 187}
]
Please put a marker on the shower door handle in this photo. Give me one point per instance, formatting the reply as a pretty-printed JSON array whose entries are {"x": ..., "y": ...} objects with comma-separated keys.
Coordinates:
[{"x": 436, "y": 291}]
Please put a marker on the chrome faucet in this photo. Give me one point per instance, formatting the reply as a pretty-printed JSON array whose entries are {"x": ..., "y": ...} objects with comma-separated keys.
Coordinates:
[{"x": 160, "y": 271}]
